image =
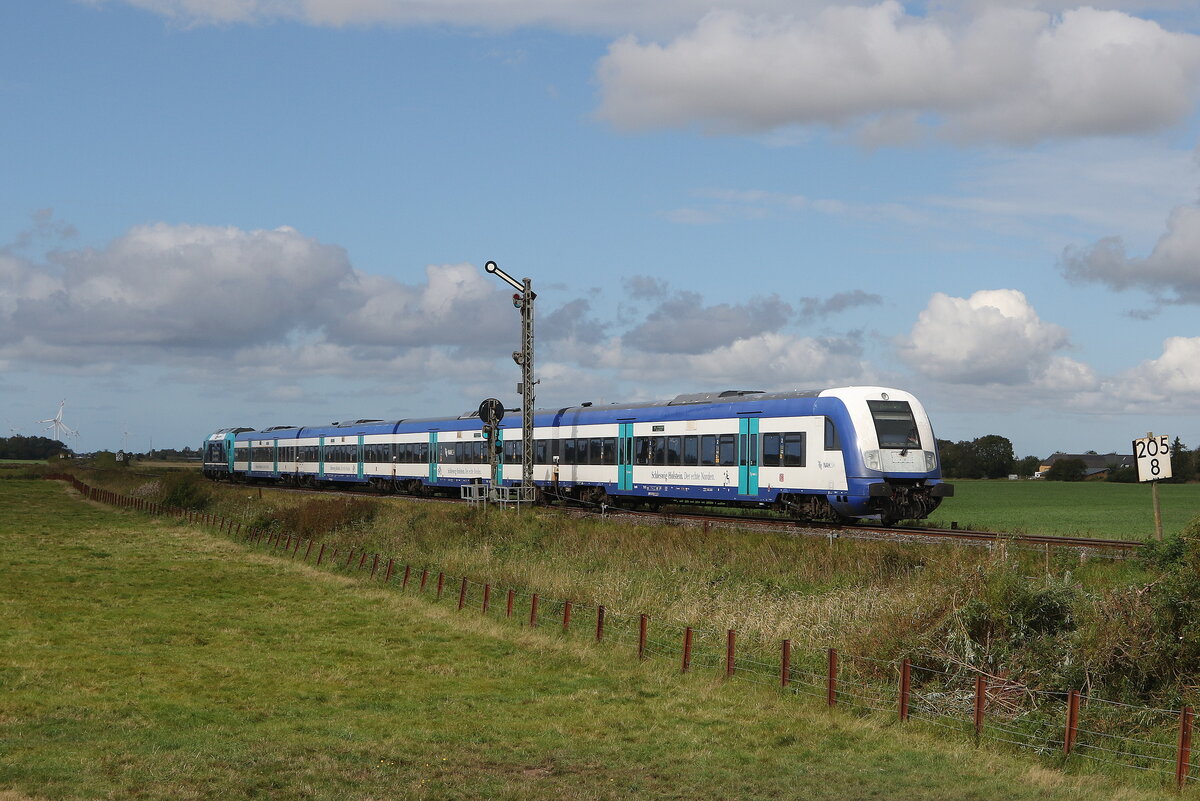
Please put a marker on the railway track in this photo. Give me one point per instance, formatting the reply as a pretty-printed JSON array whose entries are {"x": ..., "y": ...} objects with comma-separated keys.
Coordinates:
[
  {"x": 916, "y": 534},
  {"x": 1114, "y": 548}
]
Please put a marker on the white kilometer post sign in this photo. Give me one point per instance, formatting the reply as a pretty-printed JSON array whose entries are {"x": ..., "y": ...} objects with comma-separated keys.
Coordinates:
[{"x": 1153, "y": 455}]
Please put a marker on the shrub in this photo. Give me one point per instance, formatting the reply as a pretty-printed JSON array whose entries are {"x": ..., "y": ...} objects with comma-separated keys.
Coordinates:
[
  {"x": 185, "y": 491},
  {"x": 319, "y": 516}
]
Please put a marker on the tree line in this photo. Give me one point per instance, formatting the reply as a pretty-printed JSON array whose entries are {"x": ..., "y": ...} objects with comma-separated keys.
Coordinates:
[
  {"x": 992, "y": 456},
  {"x": 21, "y": 447}
]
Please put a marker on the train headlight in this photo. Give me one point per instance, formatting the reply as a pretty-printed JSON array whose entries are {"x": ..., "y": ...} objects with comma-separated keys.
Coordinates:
[
  {"x": 874, "y": 462},
  {"x": 930, "y": 462}
]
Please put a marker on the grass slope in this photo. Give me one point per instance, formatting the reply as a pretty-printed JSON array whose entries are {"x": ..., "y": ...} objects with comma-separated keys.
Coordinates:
[{"x": 143, "y": 659}]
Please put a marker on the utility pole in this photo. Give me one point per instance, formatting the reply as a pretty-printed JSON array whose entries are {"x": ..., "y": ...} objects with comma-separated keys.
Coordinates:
[{"x": 523, "y": 300}]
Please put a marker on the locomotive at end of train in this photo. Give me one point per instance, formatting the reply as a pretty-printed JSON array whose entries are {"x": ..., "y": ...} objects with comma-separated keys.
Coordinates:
[{"x": 834, "y": 454}]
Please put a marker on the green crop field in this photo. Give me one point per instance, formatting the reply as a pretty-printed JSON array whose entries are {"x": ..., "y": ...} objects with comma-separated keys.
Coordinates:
[
  {"x": 143, "y": 658},
  {"x": 1086, "y": 508}
]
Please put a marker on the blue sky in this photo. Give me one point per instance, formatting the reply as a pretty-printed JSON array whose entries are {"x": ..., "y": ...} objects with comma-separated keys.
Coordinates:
[{"x": 259, "y": 212}]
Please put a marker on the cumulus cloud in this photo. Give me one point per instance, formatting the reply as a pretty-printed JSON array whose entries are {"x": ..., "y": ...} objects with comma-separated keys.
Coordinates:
[
  {"x": 838, "y": 302},
  {"x": 770, "y": 361},
  {"x": 683, "y": 324},
  {"x": 993, "y": 337},
  {"x": 1007, "y": 74},
  {"x": 578, "y": 15},
  {"x": 182, "y": 286},
  {"x": 1170, "y": 382},
  {"x": 1172, "y": 270},
  {"x": 168, "y": 293}
]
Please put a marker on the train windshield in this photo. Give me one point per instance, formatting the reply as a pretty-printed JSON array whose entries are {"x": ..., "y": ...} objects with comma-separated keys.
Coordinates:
[{"x": 894, "y": 424}]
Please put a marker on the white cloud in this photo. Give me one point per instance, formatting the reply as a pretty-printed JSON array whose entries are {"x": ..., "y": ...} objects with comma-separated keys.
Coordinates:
[
  {"x": 1172, "y": 267},
  {"x": 683, "y": 324},
  {"x": 993, "y": 337},
  {"x": 577, "y": 15},
  {"x": 771, "y": 361},
  {"x": 1169, "y": 383},
  {"x": 182, "y": 286},
  {"x": 1006, "y": 74}
]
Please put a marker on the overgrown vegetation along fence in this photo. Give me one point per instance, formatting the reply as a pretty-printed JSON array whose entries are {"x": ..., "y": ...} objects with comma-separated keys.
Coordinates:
[{"x": 969, "y": 702}]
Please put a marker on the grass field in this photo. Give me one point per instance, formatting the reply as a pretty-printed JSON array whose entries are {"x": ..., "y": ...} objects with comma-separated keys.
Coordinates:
[
  {"x": 145, "y": 659},
  {"x": 1086, "y": 508}
]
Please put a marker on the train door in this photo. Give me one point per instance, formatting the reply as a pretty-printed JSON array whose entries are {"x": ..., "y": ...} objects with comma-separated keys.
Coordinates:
[
  {"x": 625, "y": 456},
  {"x": 433, "y": 446},
  {"x": 498, "y": 445},
  {"x": 275, "y": 457},
  {"x": 321, "y": 457},
  {"x": 360, "y": 456},
  {"x": 748, "y": 456}
]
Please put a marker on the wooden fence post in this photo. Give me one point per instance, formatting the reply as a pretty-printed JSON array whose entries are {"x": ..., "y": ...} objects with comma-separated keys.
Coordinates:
[
  {"x": 487, "y": 596},
  {"x": 599, "y": 623},
  {"x": 785, "y": 664},
  {"x": 1183, "y": 760},
  {"x": 512, "y": 594},
  {"x": 1072, "y": 721},
  {"x": 905, "y": 688},
  {"x": 980, "y": 704},
  {"x": 566, "y": 616},
  {"x": 441, "y": 583},
  {"x": 730, "y": 639},
  {"x": 462, "y": 593},
  {"x": 407, "y": 572},
  {"x": 387, "y": 578},
  {"x": 687, "y": 648},
  {"x": 424, "y": 577},
  {"x": 321, "y": 554},
  {"x": 533, "y": 611},
  {"x": 831, "y": 680}
]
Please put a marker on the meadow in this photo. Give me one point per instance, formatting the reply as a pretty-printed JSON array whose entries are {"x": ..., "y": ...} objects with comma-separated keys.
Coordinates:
[
  {"x": 145, "y": 658},
  {"x": 1083, "y": 508}
]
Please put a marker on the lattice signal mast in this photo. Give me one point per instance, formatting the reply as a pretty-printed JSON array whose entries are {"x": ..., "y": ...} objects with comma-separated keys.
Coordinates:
[{"x": 523, "y": 300}]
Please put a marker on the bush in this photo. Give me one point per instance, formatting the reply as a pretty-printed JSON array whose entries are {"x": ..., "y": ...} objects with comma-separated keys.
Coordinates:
[
  {"x": 1066, "y": 470},
  {"x": 317, "y": 517},
  {"x": 185, "y": 491}
]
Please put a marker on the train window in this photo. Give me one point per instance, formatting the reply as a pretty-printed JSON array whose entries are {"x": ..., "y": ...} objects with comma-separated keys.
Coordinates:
[
  {"x": 832, "y": 441},
  {"x": 894, "y": 424},
  {"x": 642, "y": 444},
  {"x": 793, "y": 449},
  {"x": 691, "y": 450},
  {"x": 568, "y": 451},
  {"x": 772, "y": 450},
  {"x": 608, "y": 451},
  {"x": 708, "y": 450},
  {"x": 727, "y": 449},
  {"x": 674, "y": 456},
  {"x": 658, "y": 454},
  {"x": 540, "y": 452}
]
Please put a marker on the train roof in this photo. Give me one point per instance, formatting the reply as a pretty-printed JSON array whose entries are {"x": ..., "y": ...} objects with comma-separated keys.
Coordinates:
[{"x": 683, "y": 406}]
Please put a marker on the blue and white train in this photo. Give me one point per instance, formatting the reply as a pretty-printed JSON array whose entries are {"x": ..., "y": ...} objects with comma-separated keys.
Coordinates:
[{"x": 833, "y": 454}]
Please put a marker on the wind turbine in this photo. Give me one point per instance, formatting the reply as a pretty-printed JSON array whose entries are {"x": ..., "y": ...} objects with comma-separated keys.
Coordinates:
[{"x": 61, "y": 430}]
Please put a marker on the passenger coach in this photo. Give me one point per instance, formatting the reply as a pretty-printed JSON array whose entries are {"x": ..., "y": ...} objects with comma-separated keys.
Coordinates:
[{"x": 841, "y": 453}]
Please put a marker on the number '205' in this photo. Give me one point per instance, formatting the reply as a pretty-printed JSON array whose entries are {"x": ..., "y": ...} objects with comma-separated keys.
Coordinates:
[{"x": 1160, "y": 446}]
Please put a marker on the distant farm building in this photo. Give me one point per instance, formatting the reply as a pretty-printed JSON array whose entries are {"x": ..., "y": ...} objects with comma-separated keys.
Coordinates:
[{"x": 1096, "y": 465}]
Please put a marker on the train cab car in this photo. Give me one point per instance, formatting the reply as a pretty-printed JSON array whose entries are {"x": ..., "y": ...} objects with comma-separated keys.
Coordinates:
[
  {"x": 217, "y": 453},
  {"x": 892, "y": 465}
]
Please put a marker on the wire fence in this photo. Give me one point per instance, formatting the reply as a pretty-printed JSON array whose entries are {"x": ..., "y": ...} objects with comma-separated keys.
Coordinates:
[{"x": 967, "y": 702}]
